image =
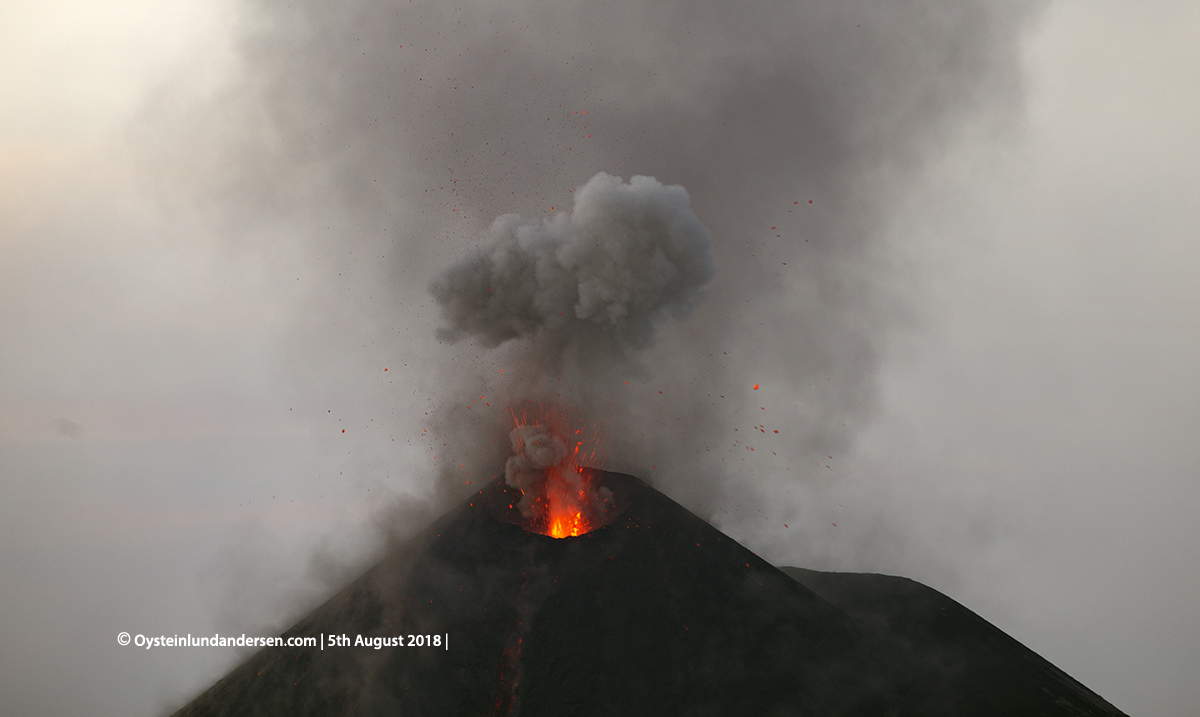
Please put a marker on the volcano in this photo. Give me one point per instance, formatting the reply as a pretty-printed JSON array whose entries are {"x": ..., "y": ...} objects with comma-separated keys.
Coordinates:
[{"x": 654, "y": 613}]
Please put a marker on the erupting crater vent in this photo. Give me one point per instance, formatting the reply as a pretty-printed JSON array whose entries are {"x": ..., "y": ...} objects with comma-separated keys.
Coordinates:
[{"x": 554, "y": 488}]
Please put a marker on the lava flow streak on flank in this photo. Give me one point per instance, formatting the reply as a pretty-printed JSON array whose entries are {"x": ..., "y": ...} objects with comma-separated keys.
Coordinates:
[{"x": 550, "y": 466}]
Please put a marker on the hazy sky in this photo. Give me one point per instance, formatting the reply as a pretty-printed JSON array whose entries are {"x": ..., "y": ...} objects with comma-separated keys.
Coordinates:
[{"x": 198, "y": 295}]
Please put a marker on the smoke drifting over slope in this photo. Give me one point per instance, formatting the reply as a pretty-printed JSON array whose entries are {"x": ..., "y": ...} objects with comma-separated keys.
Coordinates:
[{"x": 390, "y": 135}]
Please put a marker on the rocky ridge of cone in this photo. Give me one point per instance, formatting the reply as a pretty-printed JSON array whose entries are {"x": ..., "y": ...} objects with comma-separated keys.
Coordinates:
[{"x": 657, "y": 613}]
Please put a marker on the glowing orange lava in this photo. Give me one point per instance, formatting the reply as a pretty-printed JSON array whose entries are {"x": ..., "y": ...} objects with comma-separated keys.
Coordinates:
[
  {"x": 565, "y": 507},
  {"x": 550, "y": 466}
]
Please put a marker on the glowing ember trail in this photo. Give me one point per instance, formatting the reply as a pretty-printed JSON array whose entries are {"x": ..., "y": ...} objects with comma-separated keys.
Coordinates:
[{"x": 552, "y": 470}]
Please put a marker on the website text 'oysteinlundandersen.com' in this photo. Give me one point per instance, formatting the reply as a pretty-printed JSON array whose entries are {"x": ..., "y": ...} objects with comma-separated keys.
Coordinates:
[{"x": 215, "y": 641}]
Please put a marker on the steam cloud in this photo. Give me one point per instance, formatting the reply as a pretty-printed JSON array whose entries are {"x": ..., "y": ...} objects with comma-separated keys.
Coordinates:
[{"x": 588, "y": 285}]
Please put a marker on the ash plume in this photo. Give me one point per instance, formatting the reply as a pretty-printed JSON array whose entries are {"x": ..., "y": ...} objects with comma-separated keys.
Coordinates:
[
  {"x": 586, "y": 286},
  {"x": 534, "y": 450},
  {"x": 370, "y": 143}
]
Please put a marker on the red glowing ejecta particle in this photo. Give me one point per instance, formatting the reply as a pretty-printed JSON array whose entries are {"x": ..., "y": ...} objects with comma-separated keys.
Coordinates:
[{"x": 756, "y": 387}]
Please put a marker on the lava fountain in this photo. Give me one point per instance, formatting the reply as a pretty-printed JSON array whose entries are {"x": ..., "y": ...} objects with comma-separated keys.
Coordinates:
[{"x": 551, "y": 468}]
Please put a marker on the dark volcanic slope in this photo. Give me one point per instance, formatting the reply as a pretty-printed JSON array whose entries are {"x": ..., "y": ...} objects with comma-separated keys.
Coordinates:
[
  {"x": 657, "y": 613},
  {"x": 980, "y": 668}
]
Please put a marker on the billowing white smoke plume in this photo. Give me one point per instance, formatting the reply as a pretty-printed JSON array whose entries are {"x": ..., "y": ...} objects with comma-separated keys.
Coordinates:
[{"x": 586, "y": 286}]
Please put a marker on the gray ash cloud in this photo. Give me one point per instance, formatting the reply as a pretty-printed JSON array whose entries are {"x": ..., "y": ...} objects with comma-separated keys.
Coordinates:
[
  {"x": 585, "y": 286},
  {"x": 377, "y": 129}
]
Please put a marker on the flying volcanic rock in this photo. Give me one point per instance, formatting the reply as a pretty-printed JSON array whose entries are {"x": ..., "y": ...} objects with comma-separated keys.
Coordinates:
[{"x": 655, "y": 613}]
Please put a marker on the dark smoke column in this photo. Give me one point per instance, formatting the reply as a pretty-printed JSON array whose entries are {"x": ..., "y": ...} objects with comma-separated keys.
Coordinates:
[{"x": 587, "y": 287}]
